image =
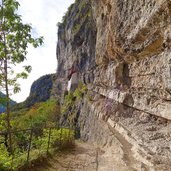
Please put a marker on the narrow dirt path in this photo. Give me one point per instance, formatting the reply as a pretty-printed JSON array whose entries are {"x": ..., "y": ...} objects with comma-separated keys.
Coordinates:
[
  {"x": 80, "y": 158},
  {"x": 84, "y": 157}
]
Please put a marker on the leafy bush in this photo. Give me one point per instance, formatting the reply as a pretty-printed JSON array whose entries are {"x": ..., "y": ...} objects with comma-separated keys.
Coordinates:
[
  {"x": 80, "y": 91},
  {"x": 39, "y": 146},
  {"x": 41, "y": 114},
  {"x": 5, "y": 159},
  {"x": 68, "y": 101}
]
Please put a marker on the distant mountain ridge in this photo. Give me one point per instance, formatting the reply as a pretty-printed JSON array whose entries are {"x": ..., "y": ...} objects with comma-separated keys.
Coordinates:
[
  {"x": 40, "y": 91},
  {"x": 2, "y": 102}
]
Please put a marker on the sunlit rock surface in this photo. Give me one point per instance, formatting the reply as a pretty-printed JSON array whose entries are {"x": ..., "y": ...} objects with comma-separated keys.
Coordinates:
[{"x": 124, "y": 54}]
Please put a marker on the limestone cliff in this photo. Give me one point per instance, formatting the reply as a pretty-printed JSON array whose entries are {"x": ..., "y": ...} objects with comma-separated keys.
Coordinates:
[
  {"x": 76, "y": 41},
  {"x": 123, "y": 49},
  {"x": 40, "y": 91}
]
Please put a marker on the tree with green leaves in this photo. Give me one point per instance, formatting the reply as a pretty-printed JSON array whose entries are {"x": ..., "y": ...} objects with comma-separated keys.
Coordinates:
[{"x": 14, "y": 40}]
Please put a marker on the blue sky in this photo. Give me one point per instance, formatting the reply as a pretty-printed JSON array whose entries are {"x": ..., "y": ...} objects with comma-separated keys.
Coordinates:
[{"x": 43, "y": 15}]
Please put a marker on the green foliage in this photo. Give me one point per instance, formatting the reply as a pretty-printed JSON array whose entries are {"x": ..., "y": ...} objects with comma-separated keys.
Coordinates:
[
  {"x": 69, "y": 100},
  {"x": 56, "y": 138},
  {"x": 5, "y": 159},
  {"x": 14, "y": 39},
  {"x": 81, "y": 16},
  {"x": 82, "y": 5},
  {"x": 80, "y": 91},
  {"x": 39, "y": 145},
  {"x": 76, "y": 28},
  {"x": 3, "y": 100},
  {"x": 44, "y": 113},
  {"x": 41, "y": 115},
  {"x": 89, "y": 14},
  {"x": 2, "y": 122}
]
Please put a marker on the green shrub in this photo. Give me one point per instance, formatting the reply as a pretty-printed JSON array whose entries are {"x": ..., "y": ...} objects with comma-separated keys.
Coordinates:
[
  {"x": 80, "y": 91},
  {"x": 41, "y": 114},
  {"x": 39, "y": 145},
  {"x": 5, "y": 159},
  {"x": 68, "y": 101}
]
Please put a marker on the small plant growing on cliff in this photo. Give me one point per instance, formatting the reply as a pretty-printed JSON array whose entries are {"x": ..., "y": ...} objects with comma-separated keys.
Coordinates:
[
  {"x": 82, "y": 4},
  {"x": 14, "y": 39},
  {"x": 80, "y": 91},
  {"x": 76, "y": 28},
  {"x": 70, "y": 98},
  {"x": 68, "y": 102}
]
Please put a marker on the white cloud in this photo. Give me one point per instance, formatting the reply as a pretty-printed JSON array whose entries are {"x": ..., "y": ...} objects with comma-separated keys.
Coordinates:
[{"x": 43, "y": 15}]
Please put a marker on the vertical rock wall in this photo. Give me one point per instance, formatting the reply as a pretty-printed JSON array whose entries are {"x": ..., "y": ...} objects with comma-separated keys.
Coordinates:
[
  {"x": 133, "y": 52},
  {"x": 124, "y": 54},
  {"x": 76, "y": 41}
]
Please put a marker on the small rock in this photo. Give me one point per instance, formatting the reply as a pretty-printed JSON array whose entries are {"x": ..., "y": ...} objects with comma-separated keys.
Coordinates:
[
  {"x": 161, "y": 121},
  {"x": 151, "y": 128}
]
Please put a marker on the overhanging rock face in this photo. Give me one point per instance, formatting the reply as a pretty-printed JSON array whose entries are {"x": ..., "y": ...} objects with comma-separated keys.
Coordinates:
[
  {"x": 133, "y": 53},
  {"x": 124, "y": 53}
]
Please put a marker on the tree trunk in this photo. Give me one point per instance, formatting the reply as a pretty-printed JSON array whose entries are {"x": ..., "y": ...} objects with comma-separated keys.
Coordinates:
[
  {"x": 8, "y": 106},
  {"x": 5, "y": 60}
]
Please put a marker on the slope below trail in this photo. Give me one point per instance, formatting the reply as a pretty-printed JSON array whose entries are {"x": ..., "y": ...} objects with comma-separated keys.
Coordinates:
[{"x": 84, "y": 157}]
